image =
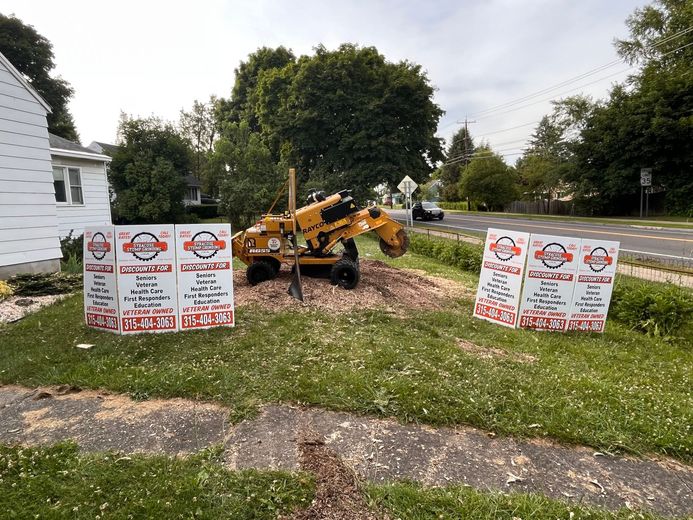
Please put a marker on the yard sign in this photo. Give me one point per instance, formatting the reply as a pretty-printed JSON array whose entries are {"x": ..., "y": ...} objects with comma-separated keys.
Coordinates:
[
  {"x": 594, "y": 284},
  {"x": 498, "y": 295},
  {"x": 205, "y": 278},
  {"x": 100, "y": 288},
  {"x": 549, "y": 281},
  {"x": 146, "y": 258}
]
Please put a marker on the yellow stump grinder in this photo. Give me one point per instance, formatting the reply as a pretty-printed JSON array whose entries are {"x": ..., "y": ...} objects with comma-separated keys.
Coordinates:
[{"x": 326, "y": 222}]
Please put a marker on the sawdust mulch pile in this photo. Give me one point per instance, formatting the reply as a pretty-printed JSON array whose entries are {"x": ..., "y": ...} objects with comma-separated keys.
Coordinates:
[
  {"x": 337, "y": 490},
  {"x": 381, "y": 286}
]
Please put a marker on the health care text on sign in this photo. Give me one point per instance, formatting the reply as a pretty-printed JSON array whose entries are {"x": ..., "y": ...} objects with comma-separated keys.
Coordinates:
[
  {"x": 593, "y": 285},
  {"x": 100, "y": 287},
  {"x": 549, "y": 281},
  {"x": 205, "y": 281},
  {"x": 500, "y": 281},
  {"x": 146, "y": 259}
]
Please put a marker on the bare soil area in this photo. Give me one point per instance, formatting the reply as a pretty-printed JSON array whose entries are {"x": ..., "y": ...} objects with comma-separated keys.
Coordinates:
[{"x": 381, "y": 286}]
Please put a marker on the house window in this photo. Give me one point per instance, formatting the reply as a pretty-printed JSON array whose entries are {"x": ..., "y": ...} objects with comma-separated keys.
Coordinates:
[
  {"x": 192, "y": 194},
  {"x": 68, "y": 185},
  {"x": 59, "y": 184}
]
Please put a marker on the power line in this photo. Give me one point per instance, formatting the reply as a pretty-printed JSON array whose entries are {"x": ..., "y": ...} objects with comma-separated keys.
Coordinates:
[
  {"x": 508, "y": 129},
  {"x": 578, "y": 87},
  {"x": 580, "y": 76},
  {"x": 556, "y": 95}
]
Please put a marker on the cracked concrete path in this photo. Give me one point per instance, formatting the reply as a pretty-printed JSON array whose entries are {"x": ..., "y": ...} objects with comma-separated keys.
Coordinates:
[{"x": 379, "y": 450}]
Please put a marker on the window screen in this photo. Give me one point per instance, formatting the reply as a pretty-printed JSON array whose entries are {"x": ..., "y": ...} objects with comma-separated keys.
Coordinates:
[
  {"x": 75, "y": 186},
  {"x": 59, "y": 184}
]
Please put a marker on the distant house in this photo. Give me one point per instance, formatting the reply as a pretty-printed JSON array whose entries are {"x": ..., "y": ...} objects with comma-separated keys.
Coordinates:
[
  {"x": 29, "y": 238},
  {"x": 81, "y": 186},
  {"x": 193, "y": 191},
  {"x": 104, "y": 148}
]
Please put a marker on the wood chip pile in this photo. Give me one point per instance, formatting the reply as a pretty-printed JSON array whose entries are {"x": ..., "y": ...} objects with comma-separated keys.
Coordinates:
[{"x": 381, "y": 286}]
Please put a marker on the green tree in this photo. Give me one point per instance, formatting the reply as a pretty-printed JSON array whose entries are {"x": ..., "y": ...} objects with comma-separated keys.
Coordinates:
[
  {"x": 148, "y": 172},
  {"x": 488, "y": 182},
  {"x": 248, "y": 177},
  {"x": 459, "y": 155},
  {"x": 348, "y": 119},
  {"x": 32, "y": 55},
  {"x": 646, "y": 123},
  {"x": 199, "y": 127},
  {"x": 241, "y": 105}
]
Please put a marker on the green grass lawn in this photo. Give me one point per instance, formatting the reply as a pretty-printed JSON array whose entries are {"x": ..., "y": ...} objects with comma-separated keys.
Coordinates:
[
  {"x": 60, "y": 482},
  {"x": 617, "y": 391}
]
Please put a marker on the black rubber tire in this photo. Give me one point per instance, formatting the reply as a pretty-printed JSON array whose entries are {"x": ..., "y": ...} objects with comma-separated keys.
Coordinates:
[
  {"x": 441, "y": 217},
  {"x": 273, "y": 262},
  {"x": 259, "y": 271},
  {"x": 345, "y": 273}
]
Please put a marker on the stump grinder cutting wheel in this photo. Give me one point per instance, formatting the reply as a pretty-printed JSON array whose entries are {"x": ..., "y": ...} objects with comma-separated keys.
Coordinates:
[{"x": 326, "y": 222}]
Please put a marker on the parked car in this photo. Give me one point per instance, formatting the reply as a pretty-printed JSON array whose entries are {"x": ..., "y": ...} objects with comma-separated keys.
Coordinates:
[{"x": 426, "y": 211}]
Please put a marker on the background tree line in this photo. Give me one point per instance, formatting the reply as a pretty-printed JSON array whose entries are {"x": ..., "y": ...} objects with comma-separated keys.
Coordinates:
[{"x": 594, "y": 150}]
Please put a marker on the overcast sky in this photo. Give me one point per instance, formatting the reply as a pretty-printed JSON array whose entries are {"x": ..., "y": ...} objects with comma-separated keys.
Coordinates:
[{"x": 151, "y": 57}]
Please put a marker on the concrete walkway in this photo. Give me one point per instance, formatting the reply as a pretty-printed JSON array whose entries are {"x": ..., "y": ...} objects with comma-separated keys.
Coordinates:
[{"x": 378, "y": 450}]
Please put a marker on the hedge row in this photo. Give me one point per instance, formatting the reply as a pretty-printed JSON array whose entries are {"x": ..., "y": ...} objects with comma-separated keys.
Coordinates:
[
  {"x": 463, "y": 255},
  {"x": 453, "y": 205},
  {"x": 655, "y": 309}
]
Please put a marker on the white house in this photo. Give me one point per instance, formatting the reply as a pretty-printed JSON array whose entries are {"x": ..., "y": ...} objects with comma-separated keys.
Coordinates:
[
  {"x": 81, "y": 186},
  {"x": 28, "y": 214}
]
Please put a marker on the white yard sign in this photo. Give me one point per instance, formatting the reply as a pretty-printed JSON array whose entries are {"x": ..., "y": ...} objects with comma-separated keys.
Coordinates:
[
  {"x": 205, "y": 278},
  {"x": 146, "y": 258},
  {"x": 100, "y": 288},
  {"x": 549, "y": 280},
  {"x": 498, "y": 295},
  {"x": 595, "y": 282}
]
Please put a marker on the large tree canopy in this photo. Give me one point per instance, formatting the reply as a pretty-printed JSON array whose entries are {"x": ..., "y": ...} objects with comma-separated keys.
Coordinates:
[
  {"x": 32, "y": 55},
  {"x": 488, "y": 182},
  {"x": 147, "y": 173},
  {"x": 459, "y": 155},
  {"x": 349, "y": 119},
  {"x": 646, "y": 124},
  {"x": 242, "y": 104}
]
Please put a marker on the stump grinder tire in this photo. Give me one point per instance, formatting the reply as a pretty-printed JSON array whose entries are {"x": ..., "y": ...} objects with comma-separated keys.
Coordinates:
[
  {"x": 345, "y": 273},
  {"x": 260, "y": 271},
  {"x": 396, "y": 252}
]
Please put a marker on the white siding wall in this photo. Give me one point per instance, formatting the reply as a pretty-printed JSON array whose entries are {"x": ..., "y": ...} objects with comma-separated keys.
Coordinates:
[
  {"x": 96, "y": 209},
  {"x": 28, "y": 219}
]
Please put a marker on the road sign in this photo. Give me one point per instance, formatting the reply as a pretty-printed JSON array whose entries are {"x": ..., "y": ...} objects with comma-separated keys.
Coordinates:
[
  {"x": 146, "y": 258},
  {"x": 595, "y": 282},
  {"x": 549, "y": 282},
  {"x": 645, "y": 176},
  {"x": 100, "y": 289},
  {"x": 407, "y": 185},
  {"x": 205, "y": 278},
  {"x": 498, "y": 295}
]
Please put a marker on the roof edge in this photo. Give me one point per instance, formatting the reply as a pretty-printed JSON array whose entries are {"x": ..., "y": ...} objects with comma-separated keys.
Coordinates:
[
  {"x": 18, "y": 76},
  {"x": 80, "y": 155}
]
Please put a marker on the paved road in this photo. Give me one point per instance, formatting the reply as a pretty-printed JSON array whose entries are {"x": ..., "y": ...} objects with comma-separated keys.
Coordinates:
[{"x": 664, "y": 242}]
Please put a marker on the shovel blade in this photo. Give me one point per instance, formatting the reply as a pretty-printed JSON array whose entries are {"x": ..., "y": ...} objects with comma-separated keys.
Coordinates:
[{"x": 296, "y": 289}]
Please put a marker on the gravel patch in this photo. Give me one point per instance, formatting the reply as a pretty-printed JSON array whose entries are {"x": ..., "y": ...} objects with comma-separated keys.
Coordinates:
[{"x": 16, "y": 307}]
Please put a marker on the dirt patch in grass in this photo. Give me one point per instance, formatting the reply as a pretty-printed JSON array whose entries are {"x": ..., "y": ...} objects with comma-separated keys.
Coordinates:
[
  {"x": 493, "y": 353},
  {"x": 381, "y": 286},
  {"x": 337, "y": 490}
]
